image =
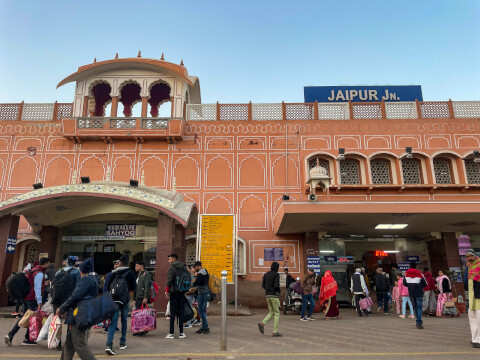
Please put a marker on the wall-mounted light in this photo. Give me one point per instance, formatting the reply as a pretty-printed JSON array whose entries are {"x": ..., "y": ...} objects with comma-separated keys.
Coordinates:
[
  {"x": 285, "y": 197},
  {"x": 408, "y": 151},
  {"x": 85, "y": 179},
  {"x": 341, "y": 154},
  {"x": 133, "y": 183},
  {"x": 37, "y": 186},
  {"x": 476, "y": 156}
]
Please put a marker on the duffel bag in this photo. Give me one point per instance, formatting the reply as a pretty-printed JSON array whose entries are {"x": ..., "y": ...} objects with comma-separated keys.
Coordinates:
[
  {"x": 187, "y": 312},
  {"x": 365, "y": 303},
  {"x": 92, "y": 311}
]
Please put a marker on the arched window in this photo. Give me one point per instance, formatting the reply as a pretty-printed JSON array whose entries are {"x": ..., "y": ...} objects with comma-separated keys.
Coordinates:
[
  {"x": 323, "y": 163},
  {"x": 411, "y": 171},
  {"x": 473, "y": 171},
  {"x": 380, "y": 169},
  {"x": 349, "y": 171},
  {"x": 442, "y": 170}
]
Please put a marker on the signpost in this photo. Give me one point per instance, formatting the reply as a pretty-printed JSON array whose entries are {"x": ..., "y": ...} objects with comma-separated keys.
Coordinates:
[{"x": 11, "y": 245}]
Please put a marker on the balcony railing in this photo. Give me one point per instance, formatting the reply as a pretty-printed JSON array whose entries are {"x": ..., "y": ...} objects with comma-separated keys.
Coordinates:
[
  {"x": 121, "y": 123},
  {"x": 334, "y": 111},
  {"x": 35, "y": 112}
]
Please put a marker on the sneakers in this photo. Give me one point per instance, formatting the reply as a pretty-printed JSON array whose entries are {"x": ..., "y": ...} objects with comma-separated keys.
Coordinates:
[
  {"x": 28, "y": 342},
  {"x": 261, "y": 328},
  {"x": 419, "y": 326},
  {"x": 167, "y": 317},
  {"x": 303, "y": 319},
  {"x": 8, "y": 340},
  {"x": 14, "y": 313},
  {"x": 197, "y": 323},
  {"x": 411, "y": 316},
  {"x": 276, "y": 334},
  {"x": 402, "y": 316},
  {"x": 182, "y": 336},
  {"x": 169, "y": 336},
  {"x": 199, "y": 331},
  {"x": 123, "y": 346},
  {"x": 476, "y": 345},
  {"x": 311, "y": 319},
  {"x": 187, "y": 326},
  {"x": 109, "y": 350},
  {"x": 206, "y": 331}
]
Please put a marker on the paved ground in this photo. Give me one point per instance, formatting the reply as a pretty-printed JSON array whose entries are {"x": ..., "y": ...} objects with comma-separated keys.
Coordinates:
[{"x": 375, "y": 337}]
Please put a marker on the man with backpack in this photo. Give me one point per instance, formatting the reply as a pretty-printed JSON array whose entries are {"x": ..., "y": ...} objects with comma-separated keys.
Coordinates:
[
  {"x": 119, "y": 284},
  {"x": 178, "y": 283},
  {"x": 203, "y": 295},
  {"x": 271, "y": 284},
  {"x": 33, "y": 299},
  {"x": 382, "y": 287}
]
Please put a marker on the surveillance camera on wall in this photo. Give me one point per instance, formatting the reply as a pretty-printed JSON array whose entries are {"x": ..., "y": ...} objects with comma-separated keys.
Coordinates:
[{"x": 312, "y": 197}]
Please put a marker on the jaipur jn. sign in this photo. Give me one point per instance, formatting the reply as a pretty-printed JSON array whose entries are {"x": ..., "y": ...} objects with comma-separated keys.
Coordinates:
[{"x": 331, "y": 94}]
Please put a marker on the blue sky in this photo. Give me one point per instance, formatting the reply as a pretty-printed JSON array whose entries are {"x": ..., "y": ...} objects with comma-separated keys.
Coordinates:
[{"x": 263, "y": 51}]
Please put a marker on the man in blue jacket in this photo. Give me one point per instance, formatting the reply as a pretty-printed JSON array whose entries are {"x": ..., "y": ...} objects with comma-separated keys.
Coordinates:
[{"x": 77, "y": 339}]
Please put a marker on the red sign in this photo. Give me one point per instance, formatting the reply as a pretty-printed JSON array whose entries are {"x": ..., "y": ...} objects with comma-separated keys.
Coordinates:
[{"x": 380, "y": 253}]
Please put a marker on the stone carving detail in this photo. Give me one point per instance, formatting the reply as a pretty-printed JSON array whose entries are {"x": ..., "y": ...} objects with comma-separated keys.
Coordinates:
[
  {"x": 122, "y": 123},
  {"x": 441, "y": 167},
  {"x": 91, "y": 123},
  {"x": 367, "y": 111},
  {"x": 473, "y": 171},
  {"x": 233, "y": 112},
  {"x": 64, "y": 111},
  {"x": 267, "y": 112},
  {"x": 299, "y": 111},
  {"x": 401, "y": 110},
  {"x": 435, "y": 110},
  {"x": 322, "y": 162},
  {"x": 37, "y": 112},
  {"x": 154, "y": 124},
  {"x": 380, "y": 170},
  {"x": 466, "y": 109},
  {"x": 201, "y": 112},
  {"x": 349, "y": 172},
  {"x": 9, "y": 111},
  {"x": 411, "y": 171},
  {"x": 338, "y": 111}
]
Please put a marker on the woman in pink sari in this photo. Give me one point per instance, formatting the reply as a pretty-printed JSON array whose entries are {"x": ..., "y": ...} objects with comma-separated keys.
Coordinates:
[
  {"x": 328, "y": 295},
  {"x": 444, "y": 287}
]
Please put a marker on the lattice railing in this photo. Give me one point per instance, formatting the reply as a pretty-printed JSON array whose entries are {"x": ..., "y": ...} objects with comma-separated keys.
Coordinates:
[
  {"x": 466, "y": 109},
  {"x": 122, "y": 123},
  {"x": 9, "y": 111},
  {"x": 401, "y": 110},
  {"x": 64, "y": 110},
  {"x": 155, "y": 124},
  {"x": 300, "y": 111},
  {"x": 367, "y": 111},
  {"x": 91, "y": 122},
  {"x": 336, "y": 111},
  {"x": 38, "y": 112},
  {"x": 267, "y": 112},
  {"x": 201, "y": 112},
  {"x": 435, "y": 110},
  {"x": 233, "y": 111}
]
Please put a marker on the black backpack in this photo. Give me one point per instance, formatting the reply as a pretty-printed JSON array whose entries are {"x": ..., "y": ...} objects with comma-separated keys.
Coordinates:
[
  {"x": 119, "y": 289},
  {"x": 62, "y": 287},
  {"x": 18, "y": 285},
  {"x": 182, "y": 280}
]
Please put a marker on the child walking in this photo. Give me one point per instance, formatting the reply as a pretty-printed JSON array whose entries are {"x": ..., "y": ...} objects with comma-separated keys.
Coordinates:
[
  {"x": 396, "y": 298},
  {"x": 403, "y": 290}
]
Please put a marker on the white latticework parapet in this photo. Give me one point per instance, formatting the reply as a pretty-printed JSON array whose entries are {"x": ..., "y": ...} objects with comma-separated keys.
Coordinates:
[
  {"x": 435, "y": 110},
  {"x": 38, "y": 112},
  {"x": 267, "y": 112},
  {"x": 336, "y": 111},
  {"x": 91, "y": 123},
  {"x": 466, "y": 109},
  {"x": 201, "y": 112},
  {"x": 9, "y": 111},
  {"x": 367, "y": 111},
  {"x": 401, "y": 110}
]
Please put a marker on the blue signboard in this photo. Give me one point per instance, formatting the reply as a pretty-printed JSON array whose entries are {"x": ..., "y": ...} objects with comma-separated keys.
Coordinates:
[
  {"x": 11, "y": 245},
  {"x": 153, "y": 262},
  {"x": 331, "y": 94},
  {"x": 330, "y": 258},
  {"x": 403, "y": 267},
  {"x": 313, "y": 262},
  {"x": 413, "y": 259}
]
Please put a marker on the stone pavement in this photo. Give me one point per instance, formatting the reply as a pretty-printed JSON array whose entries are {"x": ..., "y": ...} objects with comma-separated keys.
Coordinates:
[{"x": 378, "y": 336}]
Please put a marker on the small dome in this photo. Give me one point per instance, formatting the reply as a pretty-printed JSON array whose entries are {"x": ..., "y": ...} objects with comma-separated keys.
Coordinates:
[{"x": 318, "y": 171}]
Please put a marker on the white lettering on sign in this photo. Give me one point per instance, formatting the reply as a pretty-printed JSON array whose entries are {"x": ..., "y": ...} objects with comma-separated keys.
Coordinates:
[
  {"x": 127, "y": 230},
  {"x": 363, "y": 95}
]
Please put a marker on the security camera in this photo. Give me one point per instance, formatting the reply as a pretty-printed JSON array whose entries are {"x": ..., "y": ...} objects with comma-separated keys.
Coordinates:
[
  {"x": 476, "y": 160},
  {"x": 409, "y": 156},
  {"x": 312, "y": 197}
]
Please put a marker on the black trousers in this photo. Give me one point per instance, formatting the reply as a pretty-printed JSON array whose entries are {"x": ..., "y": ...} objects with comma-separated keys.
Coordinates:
[
  {"x": 358, "y": 297},
  {"x": 177, "y": 304}
]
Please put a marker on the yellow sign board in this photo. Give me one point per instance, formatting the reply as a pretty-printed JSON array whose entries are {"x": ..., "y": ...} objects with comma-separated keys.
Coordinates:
[{"x": 216, "y": 244}]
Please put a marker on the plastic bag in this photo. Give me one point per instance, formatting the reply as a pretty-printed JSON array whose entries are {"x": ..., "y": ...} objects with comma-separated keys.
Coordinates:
[
  {"x": 54, "y": 332},
  {"x": 143, "y": 320},
  {"x": 25, "y": 321},
  {"x": 48, "y": 307},
  {"x": 35, "y": 324},
  {"x": 43, "y": 335}
]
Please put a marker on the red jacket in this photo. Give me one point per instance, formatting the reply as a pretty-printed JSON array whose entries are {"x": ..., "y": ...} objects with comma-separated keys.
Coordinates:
[{"x": 31, "y": 279}]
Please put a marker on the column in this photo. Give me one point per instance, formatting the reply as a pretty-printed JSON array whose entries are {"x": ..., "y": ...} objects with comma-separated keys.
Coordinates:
[
  {"x": 429, "y": 169},
  {"x": 144, "y": 106},
  {"x": 48, "y": 241},
  {"x": 179, "y": 242},
  {"x": 8, "y": 227},
  {"x": 166, "y": 231},
  {"x": 114, "y": 108},
  {"x": 310, "y": 247}
]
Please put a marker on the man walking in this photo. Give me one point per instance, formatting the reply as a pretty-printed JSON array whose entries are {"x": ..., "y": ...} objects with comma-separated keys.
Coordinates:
[
  {"x": 120, "y": 283},
  {"x": 382, "y": 286},
  {"x": 359, "y": 289},
  {"x": 203, "y": 295},
  {"x": 33, "y": 300},
  {"x": 142, "y": 293},
  {"x": 473, "y": 282},
  {"x": 77, "y": 339},
  {"x": 307, "y": 284},
  {"x": 271, "y": 284},
  {"x": 176, "y": 295},
  {"x": 415, "y": 282}
]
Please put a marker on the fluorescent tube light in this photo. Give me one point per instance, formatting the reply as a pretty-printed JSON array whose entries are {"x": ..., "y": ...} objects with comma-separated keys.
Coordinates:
[
  {"x": 390, "y": 226},
  {"x": 327, "y": 251}
]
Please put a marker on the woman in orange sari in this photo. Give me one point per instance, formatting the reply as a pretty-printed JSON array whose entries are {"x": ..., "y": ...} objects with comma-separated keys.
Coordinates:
[{"x": 328, "y": 296}]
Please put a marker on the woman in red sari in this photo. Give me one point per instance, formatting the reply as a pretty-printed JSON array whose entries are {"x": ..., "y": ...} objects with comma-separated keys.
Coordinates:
[{"x": 328, "y": 296}]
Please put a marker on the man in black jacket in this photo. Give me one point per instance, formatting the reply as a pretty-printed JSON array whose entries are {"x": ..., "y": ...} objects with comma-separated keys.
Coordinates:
[
  {"x": 177, "y": 298},
  {"x": 382, "y": 286},
  {"x": 86, "y": 288},
  {"x": 203, "y": 295},
  {"x": 271, "y": 284}
]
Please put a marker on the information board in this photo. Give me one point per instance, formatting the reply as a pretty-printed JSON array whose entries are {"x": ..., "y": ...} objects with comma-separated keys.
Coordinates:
[
  {"x": 11, "y": 245},
  {"x": 273, "y": 254},
  {"x": 313, "y": 262},
  {"x": 216, "y": 246}
]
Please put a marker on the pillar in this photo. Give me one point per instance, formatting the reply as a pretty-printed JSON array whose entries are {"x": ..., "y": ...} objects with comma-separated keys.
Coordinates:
[
  {"x": 8, "y": 227},
  {"x": 144, "y": 106},
  {"x": 114, "y": 108},
  {"x": 179, "y": 242},
  {"x": 310, "y": 247},
  {"x": 48, "y": 241},
  {"x": 430, "y": 171},
  {"x": 165, "y": 236}
]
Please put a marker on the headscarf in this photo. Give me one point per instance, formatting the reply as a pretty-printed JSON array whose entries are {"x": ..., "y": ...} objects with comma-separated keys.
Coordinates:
[
  {"x": 439, "y": 281},
  {"x": 328, "y": 287},
  {"x": 474, "y": 270}
]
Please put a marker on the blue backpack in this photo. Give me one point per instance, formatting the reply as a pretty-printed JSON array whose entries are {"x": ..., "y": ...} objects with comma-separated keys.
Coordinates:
[{"x": 182, "y": 280}]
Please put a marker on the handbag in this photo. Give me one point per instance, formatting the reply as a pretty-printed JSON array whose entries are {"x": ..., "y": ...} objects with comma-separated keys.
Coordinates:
[
  {"x": 365, "y": 303},
  {"x": 143, "y": 320},
  {"x": 449, "y": 304}
]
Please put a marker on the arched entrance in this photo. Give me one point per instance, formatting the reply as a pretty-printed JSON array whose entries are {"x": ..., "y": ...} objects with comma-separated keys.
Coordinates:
[{"x": 103, "y": 220}]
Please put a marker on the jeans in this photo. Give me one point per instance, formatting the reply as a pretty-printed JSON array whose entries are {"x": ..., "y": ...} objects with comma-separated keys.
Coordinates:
[
  {"x": 27, "y": 305},
  {"x": 202, "y": 308},
  {"x": 307, "y": 299},
  {"x": 406, "y": 299},
  {"x": 177, "y": 304},
  {"x": 123, "y": 309},
  {"x": 273, "y": 311},
  {"x": 417, "y": 305},
  {"x": 383, "y": 297}
]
